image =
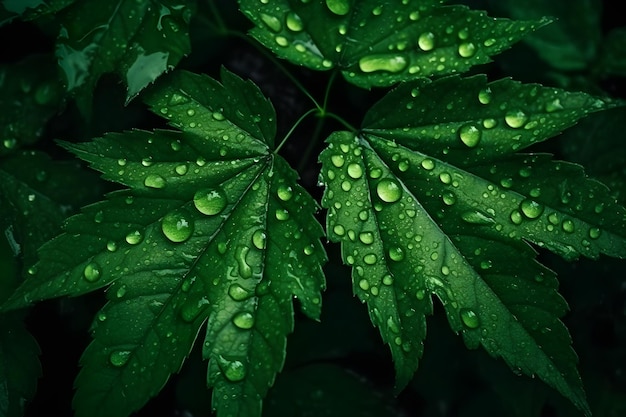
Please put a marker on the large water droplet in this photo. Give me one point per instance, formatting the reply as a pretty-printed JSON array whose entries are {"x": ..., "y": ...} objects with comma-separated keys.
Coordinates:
[
  {"x": 118, "y": 358},
  {"x": 470, "y": 135},
  {"x": 92, "y": 272},
  {"x": 259, "y": 239},
  {"x": 366, "y": 237},
  {"x": 294, "y": 23},
  {"x": 177, "y": 226},
  {"x": 338, "y": 7},
  {"x": 355, "y": 171},
  {"x": 426, "y": 41},
  {"x": 594, "y": 232},
  {"x": 515, "y": 118},
  {"x": 134, "y": 237},
  {"x": 568, "y": 226},
  {"x": 154, "y": 181},
  {"x": 396, "y": 254},
  {"x": 469, "y": 318},
  {"x": 284, "y": 192},
  {"x": 467, "y": 49},
  {"x": 238, "y": 293},
  {"x": 243, "y": 320},
  {"x": 272, "y": 22},
  {"x": 389, "y": 190},
  {"x": 210, "y": 201},
  {"x": 337, "y": 160},
  {"x": 240, "y": 256},
  {"x": 234, "y": 371},
  {"x": 531, "y": 208},
  {"x": 371, "y": 63}
]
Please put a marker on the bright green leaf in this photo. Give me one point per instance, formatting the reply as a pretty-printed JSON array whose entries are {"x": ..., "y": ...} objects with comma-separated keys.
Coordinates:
[
  {"x": 138, "y": 40},
  {"x": 214, "y": 229},
  {"x": 413, "y": 40}
]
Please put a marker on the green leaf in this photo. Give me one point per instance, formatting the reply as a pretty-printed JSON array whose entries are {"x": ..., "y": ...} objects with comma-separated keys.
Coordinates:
[
  {"x": 19, "y": 366},
  {"x": 413, "y": 40},
  {"x": 36, "y": 194},
  {"x": 29, "y": 9},
  {"x": 436, "y": 202},
  {"x": 214, "y": 229},
  {"x": 31, "y": 95},
  {"x": 572, "y": 42},
  {"x": 138, "y": 40}
]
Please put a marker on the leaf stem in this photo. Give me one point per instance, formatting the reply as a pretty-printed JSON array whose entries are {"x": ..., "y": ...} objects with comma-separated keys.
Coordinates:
[{"x": 293, "y": 128}]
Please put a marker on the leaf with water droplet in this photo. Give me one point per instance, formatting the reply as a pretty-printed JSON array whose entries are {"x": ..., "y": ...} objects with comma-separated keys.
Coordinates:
[
  {"x": 381, "y": 46},
  {"x": 98, "y": 41},
  {"x": 177, "y": 251}
]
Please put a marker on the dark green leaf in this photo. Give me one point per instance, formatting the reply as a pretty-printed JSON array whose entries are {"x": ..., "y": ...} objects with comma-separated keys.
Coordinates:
[
  {"x": 413, "y": 40},
  {"x": 138, "y": 40},
  {"x": 19, "y": 366},
  {"x": 214, "y": 229},
  {"x": 31, "y": 95},
  {"x": 29, "y": 9}
]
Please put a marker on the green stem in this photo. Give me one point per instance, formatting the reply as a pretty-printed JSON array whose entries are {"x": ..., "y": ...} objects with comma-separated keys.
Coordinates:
[
  {"x": 312, "y": 142},
  {"x": 293, "y": 128}
]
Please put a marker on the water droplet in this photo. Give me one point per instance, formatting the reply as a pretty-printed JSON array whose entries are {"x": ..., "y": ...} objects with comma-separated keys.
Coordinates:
[
  {"x": 355, "y": 171},
  {"x": 238, "y": 293},
  {"x": 469, "y": 318},
  {"x": 118, "y": 358},
  {"x": 531, "y": 208},
  {"x": 420, "y": 294},
  {"x": 294, "y": 23},
  {"x": 282, "y": 214},
  {"x": 396, "y": 254},
  {"x": 337, "y": 160},
  {"x": 426, "y": 41},
  {"x": 477, "y": 217},
  {"x": 177, "y": 226},
  {"x": 259, "y": 239},
  {"x": 366, "y": 237},
  {"x": 92, "y": 272},
  {"x": 448, "y": 198},
  {"x": 146, "y": 161},
  {"x": 470, "y": 135},
  {"x": 284, "y": 192},
  {"x": 515, "y": 118},
  {"x": 111, "y": 246},
  {"x": 181, "y": 169},
  {"x": 428, "y": 164},
  {"x": 272, "y": 22},
  {"x": 243, "y": 320},
  {"x": 445, "y": 178},
  {"x": 376, "y": 173},
  {"x": 389, "y": 190},
  {"x": 338, "y": 7},
  {"x": 371, "y": 63},
  {"x": 210, "y": 201},
  {"x": 554, "y": 105},
  {"x": 134, "y": 237},
  {"x": 370, "y": 259},
  {"x": 98, "y": 217},
  {"x": 234, "y": 371},
  {"x": 516, "y": 217},
  {"x": 467, "y": 49},
  {"x": 568, "y": 226},
  {"x": 192, "y": 308},
  {"x": 282, "y": 41},
  {"x": 154, "y": 181},
  {"x": 594, "y": 232},
  {"x": 240, "y": 256}
]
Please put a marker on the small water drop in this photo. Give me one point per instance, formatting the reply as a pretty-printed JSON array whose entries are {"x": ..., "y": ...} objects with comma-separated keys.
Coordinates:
[
  {"x": 338, "y": 7},
  {"x": 516, "y": 217},
  {"x": 337, "y": 160},
  {"x": 568, "y": 226},
  {"x": 531, "y": 208},
  {"x": 594, "y": 232},
  {"x": 281, "y": 214},
  {"x": 426, "y": 41},
  {"x": 181, "y": 169},
  {"x": 238, "y": 293},
  {"x": 234, "y": 371},
  {"x": 467, "y": 49},
  {"x": 284, "y": 192},
  {"x": 428, "y": 164},
  {"x": 383, "y": 62},
  {"x": 245, "y": 270},
  {"x": 370, "y": 259},
  {"x": 272, "y": 22},
  {"x": 366, "y": 238},
  {"x": 355, "y": 171},
  {"x": 111, "y": 246},
  {"x": 259, "y": 239},
  {"x": 396, "y": 254},
  {"x": 294, "y": 23},
  {"x": 210, "y": 201},
  {"x": 134, "y": 237}
]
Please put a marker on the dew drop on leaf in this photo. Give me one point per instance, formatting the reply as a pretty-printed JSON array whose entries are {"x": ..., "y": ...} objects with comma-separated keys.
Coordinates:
[
  {"x": 470, "y": 318},
  {"x": 98, "y": 217},
  {"x": 134, "y": 237},
  {"x": 366, "y": 238},
  {"x": 181, "y": 169},
  {"x": 92, "y": 272},
  {"x": 568, "y": 226},
  {"x": 271, "y": 22},
  {"x": 531, "y": 208},
  {"x": 240, "y": 256},
  {"x": 234, "y": 371},
  {"x": 428, "y": 164},
  {"x": 154, "y": 181},
  {"x": 118, "y": 358},
  {"x": 337, "y": 160},
  {"x": 238, "y": 293},
  {"x": 594, "y": 233},
  {"x": 515, "y": 119},
  {"x": 210, "y": 201},
  {"x": 467, "y": 49},
  {"x": 396, "y": 254},
  {"x": 382, "y": 62},
  {"x": 284, "y": 192},
  {"x": 470, "y": 135},
  {"x": 282, "y": 214},
  {"x": 355, "y": 171},
  {"x": 516, "y": 217},
  {"x": 259, "y": 239},
  {"x": 243, "y": 320},
  {"x": 177, "y": 226},
  {"x": 426, "y": 41},
  {"x": 389, "y": 190},
  {"x": 294, "y": 23},
  {"x": 111, "y": 246},
  {"x": 338, "y": 7},
  {"x": 370, "y": 259}
]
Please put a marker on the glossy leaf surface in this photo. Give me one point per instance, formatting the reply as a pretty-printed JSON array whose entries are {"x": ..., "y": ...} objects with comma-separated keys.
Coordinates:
[{"x": 412, "y": 40}]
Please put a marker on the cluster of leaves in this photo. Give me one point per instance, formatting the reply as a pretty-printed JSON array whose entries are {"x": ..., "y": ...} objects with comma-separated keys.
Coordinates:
[{"x": 431, "y": 197}]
